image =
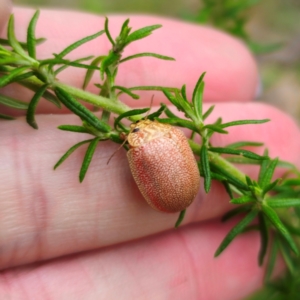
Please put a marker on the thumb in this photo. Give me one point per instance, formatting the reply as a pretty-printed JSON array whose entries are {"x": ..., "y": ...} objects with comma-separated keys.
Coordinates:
[{"x": 5, "y": 9}]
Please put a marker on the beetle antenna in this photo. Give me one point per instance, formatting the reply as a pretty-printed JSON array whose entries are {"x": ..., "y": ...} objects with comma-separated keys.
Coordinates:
[
  {"x": 151, "y": 102},
  {"x": 117, "y": 150}
]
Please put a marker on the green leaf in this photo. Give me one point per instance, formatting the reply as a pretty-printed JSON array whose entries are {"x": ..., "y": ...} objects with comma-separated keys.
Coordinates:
[
  {"x": 178, "y": 122},
  {"x": 197, "y": 99},
  {"x": 141, "y": 33},
  {"x": 23, "y": 76},
  {"x": 272, "y": 259},
  {"x": 287, "y": 257},
  {"x": 126, "y": 91},
  {"x": 6, "y": 79},
  {"x": 23, "y": 45},
  {"x": 30, "y": 118},
  {"x": 129, "y": 113},
  {"x": 291, "y": 182},
  {"x": 78, "y": 43},
  {"x": 250, "y": 182},
  {"x": 125, "y": 29},
  {"x": 274, "y": 219},
  {"x": 77, "y": 64},
  {"x": 263, "y": 167},
  {"x": 236, "y": 230},
  {"x": 236, "y": 211},
  {"x": 208, "y": 112},
  {"x": 282, "y": 202},
  {"x": 13, "y": 61},
  {"x": 230, "y": 178},
  {"x": 66, "y": 63},
  {"x": 31, "y": 40},
  {"x": 227, "y": 188},
  {"x": 215, "y": 128},
  {"x": 205, "y": 168},
  {"x": 47, "y": 95},
  {"x": 73, "y": 128},
  {"x": 151, "y": 88},
  {"x": 69, "y": 152},
  {"x": 270, "y": 186},
  {"x": 186, "y": 107},
  {"x": 116, "y": 139},
  {"x": 111, "y": 59},
  {"x": 181, "y": 104},
  {"x": 243, "y": 160},
  {"x": 90, "y": 72},
  {"x": 244, "y": 153},
  {"x": 293, "y": 230},
  {"x": 172, "y": 99},
  {"x": 157, "y": 113},
  {"x": 244, "y": 144},
  {"x": 183, "y": 92},
  {"x": 180, "y": 218},
  {"x": 244, "y": 122},
  {"x": 80, "y": 110},
  {"x": 264, "y": 238},
  {"x": 6, "y": 117},
  {"x": 107, "y": 32},
  {"x": 242, "y": 200},
  {"x": 88, "y": 158},
  {"x": 14, "y": 103},
  {"x": 12, "y": 38},
  {"x": 149, "y": 54},
  {"x": 286, "y": 164},
  {"x": 170, "y": 114},
  {"x": 266, "y": 172},
  {"x": 217, "y": 177}
]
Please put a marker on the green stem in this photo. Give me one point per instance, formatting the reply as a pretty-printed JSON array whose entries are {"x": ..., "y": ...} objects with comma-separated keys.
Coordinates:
[
  {"x": 112, "y": 105},
  {"x": 220, "y": 161}
]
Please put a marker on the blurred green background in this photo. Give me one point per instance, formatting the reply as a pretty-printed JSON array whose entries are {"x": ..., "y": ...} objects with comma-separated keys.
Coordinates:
[{"x": 270, "y": 28}]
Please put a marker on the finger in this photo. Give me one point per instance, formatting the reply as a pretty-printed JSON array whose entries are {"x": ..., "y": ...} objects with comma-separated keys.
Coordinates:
[
  {"x": 173, "y": 265},
  {"x": 231, "y": 70},
  {"x": 5, "y": 9},
  {"x": 45, "y": 214}
]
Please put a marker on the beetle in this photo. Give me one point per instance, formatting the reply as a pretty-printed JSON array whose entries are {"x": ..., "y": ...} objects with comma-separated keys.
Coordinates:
[{"x": 163, "y": 165}]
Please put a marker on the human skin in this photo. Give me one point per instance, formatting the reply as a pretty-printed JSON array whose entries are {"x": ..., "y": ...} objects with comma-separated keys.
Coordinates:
[{"x": 100, "y": 240}]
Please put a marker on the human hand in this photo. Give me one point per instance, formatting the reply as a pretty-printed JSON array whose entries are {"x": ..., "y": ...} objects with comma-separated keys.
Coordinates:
[{"x": 103, "y": 240}]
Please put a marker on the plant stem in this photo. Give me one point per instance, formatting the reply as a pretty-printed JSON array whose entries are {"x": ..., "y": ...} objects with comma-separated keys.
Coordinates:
[
  {"x": 112, "y": 105},
  {"x": 220, "y": 161}
]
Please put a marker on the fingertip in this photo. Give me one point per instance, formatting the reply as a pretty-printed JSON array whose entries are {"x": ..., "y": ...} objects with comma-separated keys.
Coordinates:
[
  {"x": 231, "y": 71},
  {"x": 280, "y": 135},
  {"x": 5, "y": 9}
]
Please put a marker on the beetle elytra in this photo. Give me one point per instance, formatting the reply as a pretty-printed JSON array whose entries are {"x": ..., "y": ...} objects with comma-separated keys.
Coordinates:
[{"x": 163, "y": 165}]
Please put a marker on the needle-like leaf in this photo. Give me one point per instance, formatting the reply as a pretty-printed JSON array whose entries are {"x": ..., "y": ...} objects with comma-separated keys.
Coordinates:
[
  {"x": 30, "y": 115},
  {"x": 141, "y": 33},
  {"x": 264, "y": 238},
  {"x": 274, "y": 219},
  {"x": 14, "y": 103},
  {"x": 235, "y": 231},
  {"x": 31, "y": 39},
  {"x": 88, "y": 158},
  {"x": 197, "y": 98},
  {"x": 241, "y": 152},
  {"x": 80, "y": 110},
  {"x": 145, "y": 54},
  {"x": 130, "y": 113},
  {"x": 78, "y": 43},
  {"x": 205, "y": 168},
  {"x": 69, "y": 152},
  {"x": 180, "y": 218}
]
